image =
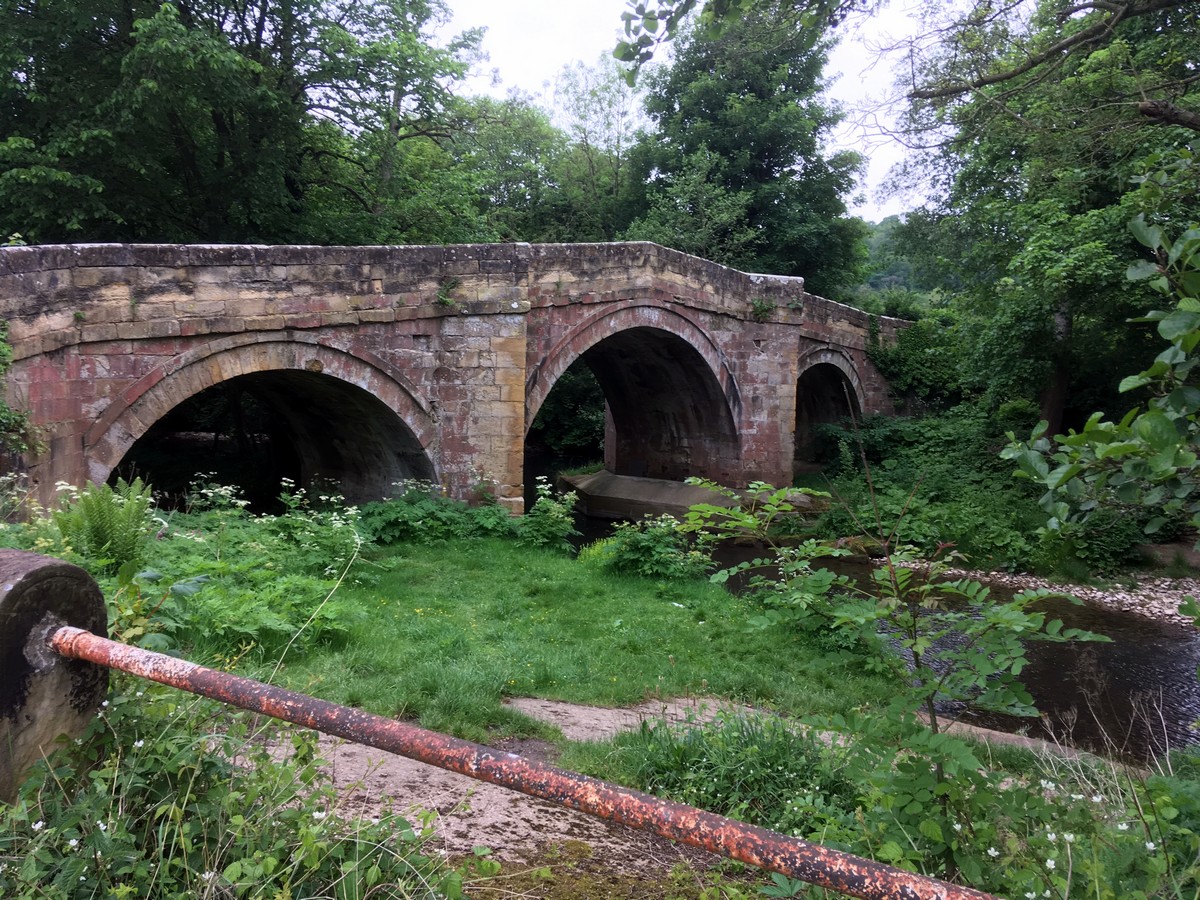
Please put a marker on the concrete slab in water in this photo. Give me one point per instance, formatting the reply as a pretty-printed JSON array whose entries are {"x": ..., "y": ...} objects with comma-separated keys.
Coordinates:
[{"x": 608, "y": 496}]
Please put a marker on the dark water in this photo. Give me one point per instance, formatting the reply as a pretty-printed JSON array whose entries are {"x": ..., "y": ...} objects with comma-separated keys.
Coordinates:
[{"x": 1137, "y": 696}]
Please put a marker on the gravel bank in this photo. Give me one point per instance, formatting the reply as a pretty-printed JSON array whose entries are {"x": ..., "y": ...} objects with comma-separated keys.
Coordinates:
[{"x": 1152, "y": 597}]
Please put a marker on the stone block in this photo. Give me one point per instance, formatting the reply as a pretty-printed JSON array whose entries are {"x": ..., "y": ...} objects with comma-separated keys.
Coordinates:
[{"x": 265, "y": 323}]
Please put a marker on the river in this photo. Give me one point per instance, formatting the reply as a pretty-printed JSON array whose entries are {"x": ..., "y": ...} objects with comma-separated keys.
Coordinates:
[{"x": 1136, "y": 696}]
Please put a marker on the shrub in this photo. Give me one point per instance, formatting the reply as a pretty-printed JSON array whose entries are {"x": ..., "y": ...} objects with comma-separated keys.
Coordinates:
[
  {"x": 653, "y": 548},
  {"x": 421, "y": 514},
  {"x": 230, "y": 581},
  {"x": 1104, "y": 543},
  {"x": 755, "y": 768},
  {"x": 550, "y": 523}
]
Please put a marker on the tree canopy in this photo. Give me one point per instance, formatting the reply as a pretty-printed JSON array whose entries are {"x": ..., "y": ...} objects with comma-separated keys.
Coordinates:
[
  {"x": 736, "y": 168},
  {"x": 199, "y": 120},
  {"x": 964, "y": 48}
]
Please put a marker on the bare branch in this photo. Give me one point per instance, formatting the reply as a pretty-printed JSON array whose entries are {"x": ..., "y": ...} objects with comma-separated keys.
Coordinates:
[
  {"x": 1095, "y": 33},
  {"x": 1163, "y": 112}
]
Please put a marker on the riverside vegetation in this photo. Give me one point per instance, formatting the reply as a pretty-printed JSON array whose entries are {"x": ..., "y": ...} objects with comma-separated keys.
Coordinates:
[{"x": 429, "y": 609}]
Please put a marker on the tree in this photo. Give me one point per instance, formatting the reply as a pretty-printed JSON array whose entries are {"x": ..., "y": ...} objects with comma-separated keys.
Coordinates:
[
  {"x": 517, "y": 155},
  {"x": 1147, "y": 462},
  {"x": 746, "y": 110},
  {"x": 1031, "y": 192},
  {"x": 210, "y": 120},
  {"x": 691, "y": 210},
  {"x": 601, "y": 115},
  {"x": 954, "y": 56}
]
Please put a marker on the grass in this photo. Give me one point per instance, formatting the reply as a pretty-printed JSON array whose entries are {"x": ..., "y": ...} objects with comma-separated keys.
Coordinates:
[{"x": 448, "y": 631}]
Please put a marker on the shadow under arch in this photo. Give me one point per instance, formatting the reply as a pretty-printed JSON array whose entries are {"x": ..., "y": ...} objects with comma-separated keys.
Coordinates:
[
  {"x": 671, "y": 401},
  {"x": 828, "y": 390},
  {"x": 345, "y": 422}
]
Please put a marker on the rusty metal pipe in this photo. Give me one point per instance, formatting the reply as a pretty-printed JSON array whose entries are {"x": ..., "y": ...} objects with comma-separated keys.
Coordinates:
[{"x": 795, "y": 858}]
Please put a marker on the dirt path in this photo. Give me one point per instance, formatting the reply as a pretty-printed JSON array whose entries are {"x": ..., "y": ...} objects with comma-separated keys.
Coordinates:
[
  {"x": 526, "y": 832},
  {"x": 517, "y": 828}
]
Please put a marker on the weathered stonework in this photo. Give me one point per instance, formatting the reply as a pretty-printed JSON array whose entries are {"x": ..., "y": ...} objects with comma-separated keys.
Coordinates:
[{"x": 452, "y": 351}]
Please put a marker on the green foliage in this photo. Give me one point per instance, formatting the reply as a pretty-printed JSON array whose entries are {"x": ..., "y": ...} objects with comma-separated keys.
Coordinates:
[
  {"x": 924, "y": 362},
  {"x": 653, "y": 548},
  {"x": 445, "y": 292},
  {"x": 570, "y": 423},
  {"x": 868, "y": 788},
  {"x": 1025, "y": 237},
  {"x": 963, "y": 494},
  {"x": 761, "y": 310},
  {"x": 16, "y": 435},
  {"x": 750, "y": 178},
  {"x": 422, "y": 514},
  {"x": 550, "y": 523},
  {"x": 760, "y": 511},
  {"x": 755, "y": 768},
  {"x": 1106, "y": 542},
  {"x": 1145, "y": 463},
  {"x": 170, "y": 796},
  {"x": 691, "y": 210},
  {"x": 944, "y": 641},
  {"x": 227, "y": 583},
  {"x": 282, "y": 122},
  {"x": 107, "y": 526}
]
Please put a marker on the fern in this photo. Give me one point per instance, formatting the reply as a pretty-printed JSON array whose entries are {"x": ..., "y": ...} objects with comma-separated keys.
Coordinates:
[{"x": 107, "y": 526}]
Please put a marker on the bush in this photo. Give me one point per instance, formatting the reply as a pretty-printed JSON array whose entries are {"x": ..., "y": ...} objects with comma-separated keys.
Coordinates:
[
  {"x": 757, "y": 769},
  {"x": 653, "y": 548},
  {"x": 1104, "y": 543},
  {"x": 550, "y": 523},
  {"x": 421, "y": 514},
  {"x": 961, "y": 493},
  {"x": 228, "y": 581}
]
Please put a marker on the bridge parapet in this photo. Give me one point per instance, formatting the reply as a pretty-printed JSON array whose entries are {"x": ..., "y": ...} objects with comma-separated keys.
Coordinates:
[{"x": 56, "y": 295}]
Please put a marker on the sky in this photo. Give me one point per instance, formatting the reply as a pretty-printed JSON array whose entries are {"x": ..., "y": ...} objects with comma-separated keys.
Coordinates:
[{"x": 529, "y": 41}]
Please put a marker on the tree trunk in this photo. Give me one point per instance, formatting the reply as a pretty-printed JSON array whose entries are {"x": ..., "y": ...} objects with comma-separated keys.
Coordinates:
[{"x": 1054, "y": 395}]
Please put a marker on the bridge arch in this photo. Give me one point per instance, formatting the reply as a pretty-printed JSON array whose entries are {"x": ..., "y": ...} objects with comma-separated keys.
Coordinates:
[
  {"x": 349, "y": 420},
  {"x": 672, "y": 401},
  {"x": 828, "y": 390}
]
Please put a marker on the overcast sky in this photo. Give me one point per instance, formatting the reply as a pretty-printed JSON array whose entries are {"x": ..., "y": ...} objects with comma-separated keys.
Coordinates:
[{"x": 529, "y": 42}]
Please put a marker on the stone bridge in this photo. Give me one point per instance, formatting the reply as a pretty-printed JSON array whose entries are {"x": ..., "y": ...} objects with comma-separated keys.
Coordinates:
[{"x": 384, "y": 363}]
